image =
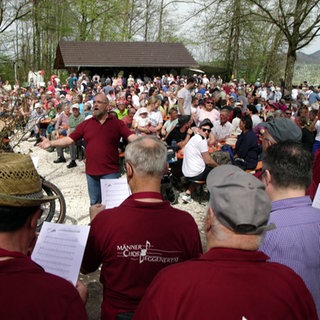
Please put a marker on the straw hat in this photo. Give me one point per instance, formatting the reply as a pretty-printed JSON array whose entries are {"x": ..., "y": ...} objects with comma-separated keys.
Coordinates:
[{"x": 20, "y": 184}]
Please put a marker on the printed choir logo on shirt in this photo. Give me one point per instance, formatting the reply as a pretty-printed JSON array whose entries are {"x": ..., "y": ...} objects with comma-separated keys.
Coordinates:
[{"x": 146, "y": 253}]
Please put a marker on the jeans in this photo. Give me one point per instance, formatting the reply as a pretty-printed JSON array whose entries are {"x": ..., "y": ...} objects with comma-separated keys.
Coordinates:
[
  {"x": 73, "y": 151},
  {"x": 94, "y": 187}
]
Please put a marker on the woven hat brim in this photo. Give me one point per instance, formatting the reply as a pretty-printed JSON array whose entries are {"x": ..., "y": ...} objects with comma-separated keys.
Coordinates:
[{"x": 20, "y": 201}]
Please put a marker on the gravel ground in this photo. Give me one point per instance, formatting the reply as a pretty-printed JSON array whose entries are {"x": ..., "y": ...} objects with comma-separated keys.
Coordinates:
[{"x": 72, "y": 183}]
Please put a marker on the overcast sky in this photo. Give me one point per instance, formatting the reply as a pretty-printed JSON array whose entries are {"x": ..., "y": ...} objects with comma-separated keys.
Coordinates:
[{"x": 313, "y": 46}]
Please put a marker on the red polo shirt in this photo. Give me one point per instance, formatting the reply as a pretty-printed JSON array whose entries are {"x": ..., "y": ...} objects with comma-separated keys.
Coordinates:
[
  {"x": 28, "y": 292},
  {"x": 102, "y": 141},
  {"x": 133, "y": 242},
  {"x": 227, "y": 284}
]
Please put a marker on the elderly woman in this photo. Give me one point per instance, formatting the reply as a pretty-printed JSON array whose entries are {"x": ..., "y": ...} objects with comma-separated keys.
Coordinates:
[
  {"x": 207, "y": 112},
  {"x": 246, "y": 150}
]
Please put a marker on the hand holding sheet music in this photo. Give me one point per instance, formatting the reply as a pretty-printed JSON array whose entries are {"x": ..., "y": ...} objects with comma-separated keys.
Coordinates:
[
  {"x": 60, "y": 248},
  {"x": 114, "y": 192}
]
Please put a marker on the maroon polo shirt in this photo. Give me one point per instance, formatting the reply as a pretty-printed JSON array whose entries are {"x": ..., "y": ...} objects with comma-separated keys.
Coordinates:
[
  {"x": 133, "y": 242},
  {"x": 28, "y": 292},
  {"x": 227, "y": 284},
  {"x": 101, "y": 143}
]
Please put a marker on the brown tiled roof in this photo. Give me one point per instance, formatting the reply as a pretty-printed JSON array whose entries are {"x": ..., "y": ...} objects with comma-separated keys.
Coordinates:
[{"x": 122, "y": 54}]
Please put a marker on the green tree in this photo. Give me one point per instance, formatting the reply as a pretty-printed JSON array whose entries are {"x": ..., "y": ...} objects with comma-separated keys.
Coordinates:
[{"x": 298, "y": 22}]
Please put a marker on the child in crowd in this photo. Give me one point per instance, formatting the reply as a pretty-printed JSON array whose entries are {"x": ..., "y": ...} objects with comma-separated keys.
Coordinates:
[{"x": 142, "y": 122}]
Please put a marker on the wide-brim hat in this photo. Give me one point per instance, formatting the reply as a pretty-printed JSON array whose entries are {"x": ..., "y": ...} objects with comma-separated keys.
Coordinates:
[{"x": 20, "y": 184}]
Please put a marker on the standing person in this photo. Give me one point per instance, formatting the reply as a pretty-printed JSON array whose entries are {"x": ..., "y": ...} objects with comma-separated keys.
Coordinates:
[
  {"x": 102, "y": 134},
  {"x": 74, "y": 120},
  {"x": 129, "y": 240},
  {"x": 233, "y": 280},
  {"x": 184, "y": 97},
  {"x": 287, "y": 174},
  {"x": 27, "y": 291}
]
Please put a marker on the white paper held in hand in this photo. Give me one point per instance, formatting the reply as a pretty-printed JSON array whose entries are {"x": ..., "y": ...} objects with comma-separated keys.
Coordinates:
[
  {"x": 316, "y": 200},
  {"x": 59, "y": 249},
  {"x": 114, "y": 192}
]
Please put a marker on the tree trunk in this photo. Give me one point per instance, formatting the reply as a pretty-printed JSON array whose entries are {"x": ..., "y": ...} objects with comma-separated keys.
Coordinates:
[
  {"x": 237, "y": 15},
  {"x": 291, "y": 60}
]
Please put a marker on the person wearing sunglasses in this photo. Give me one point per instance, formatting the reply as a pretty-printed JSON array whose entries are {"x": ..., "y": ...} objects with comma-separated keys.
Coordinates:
[
  {"x": 207, "y": 112},
  {"x": 197, "y": 162}
]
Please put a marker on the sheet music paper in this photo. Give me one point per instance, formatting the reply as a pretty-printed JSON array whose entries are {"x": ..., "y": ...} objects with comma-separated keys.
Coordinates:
[
  {"x": 114, "y": 192},
  {"x": 316, "y": 200},
  {"x": 35, "y": 161},
  {"x": 59, "y": 249}
]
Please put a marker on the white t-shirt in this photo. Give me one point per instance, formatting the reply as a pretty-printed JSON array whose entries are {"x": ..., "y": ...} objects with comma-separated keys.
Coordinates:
[
  {"x": 193, "y": 163},
  {"x": 185, "y": 94},
  {"x": 317, "y": 126},
  {"x": 235, "y": 126},
  {"x": 255, "y": 120},
  {"x": 143, "y": 122},
  {"x": 135, "y": 101},
  {"x": 155, "y": 117}
]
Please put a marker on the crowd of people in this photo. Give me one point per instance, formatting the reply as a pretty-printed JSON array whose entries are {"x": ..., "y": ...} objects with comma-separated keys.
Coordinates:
[{"x": 262, "y": 230}]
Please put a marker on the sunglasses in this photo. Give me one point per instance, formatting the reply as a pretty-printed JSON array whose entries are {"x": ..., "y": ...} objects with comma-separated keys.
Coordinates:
[
  {"x": 206, "y": 130},
  {"x": 209, "y": 103},
  {"x": 288, "y": 113}
]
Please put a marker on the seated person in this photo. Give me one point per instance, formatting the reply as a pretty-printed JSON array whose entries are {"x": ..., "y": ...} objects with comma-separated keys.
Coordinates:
[
  {"x": 208, "y": 111},
  {"x": 197, "y": 162},
  {"x": 128, "y": 119},
  {"x": 121, "y": 109},
  {"x": 222, "y": 129},
  {"x": 181, "y": 133},
  {"x": 142, "y": 123},
  {"x": 246, "y": 150},
  {"x": 170, "y": 123}
]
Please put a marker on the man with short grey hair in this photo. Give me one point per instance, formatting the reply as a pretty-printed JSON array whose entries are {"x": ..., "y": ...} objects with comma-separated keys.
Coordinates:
[
  {"x": 134, "y": 241},
  {"x": 233, "y": 280}
]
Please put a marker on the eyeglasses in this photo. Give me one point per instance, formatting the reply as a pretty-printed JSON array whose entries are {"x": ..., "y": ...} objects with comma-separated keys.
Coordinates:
[
  {"x": 209, "y": 103},
  {"x": 206, "y": 130},
  {"x": 289, "y": 113}
]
